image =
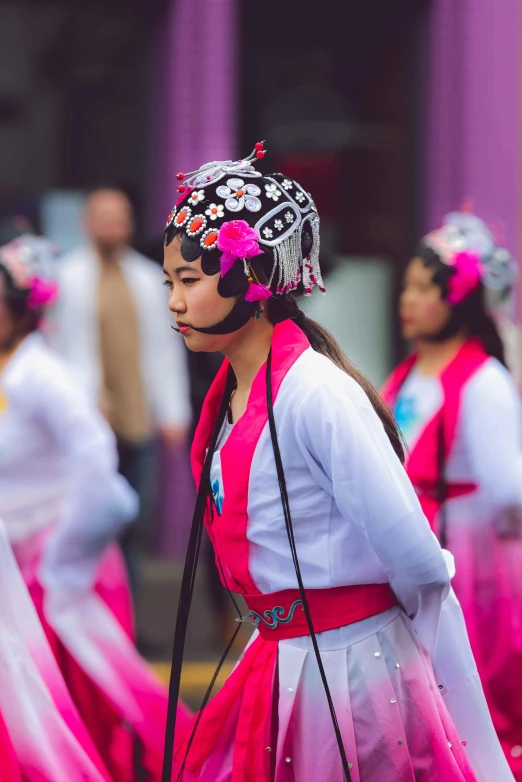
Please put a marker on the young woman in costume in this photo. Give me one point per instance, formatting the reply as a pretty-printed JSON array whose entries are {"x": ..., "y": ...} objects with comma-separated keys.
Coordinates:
[
  {"x": 312, "y": 518},
  {"x": 63, "y": 504},
  {"x": 459, "y": 411}
]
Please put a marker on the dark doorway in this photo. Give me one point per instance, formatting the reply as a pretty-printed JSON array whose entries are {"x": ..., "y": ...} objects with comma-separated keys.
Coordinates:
[{"x": 336, "y": 89}]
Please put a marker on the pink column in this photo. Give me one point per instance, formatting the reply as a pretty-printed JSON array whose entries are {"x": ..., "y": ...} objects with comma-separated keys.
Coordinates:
[
  {"x": 473, "y": 146},
  {"x": 198, "y": 96},
  {"x": 195, "y": 122}
]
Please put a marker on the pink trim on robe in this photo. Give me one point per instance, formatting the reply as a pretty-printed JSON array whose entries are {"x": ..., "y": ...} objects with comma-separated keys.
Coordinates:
[
  {"x": 9, "y": 767},
  {"x": 228, "y": 532},
  {"x": 421, "y": 462}
]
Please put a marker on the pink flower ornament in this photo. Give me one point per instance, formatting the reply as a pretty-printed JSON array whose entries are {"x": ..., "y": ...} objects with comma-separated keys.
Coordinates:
[
  {"x": 42, "y": 293},
  {"x": 237, "y": 241},
  {"x": 256, "y": 292},
  {"x": 466, "y": 279}
]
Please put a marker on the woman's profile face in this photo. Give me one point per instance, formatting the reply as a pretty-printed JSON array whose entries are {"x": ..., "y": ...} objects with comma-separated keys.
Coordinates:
[
  {"x": 422, "y": 309},
  {"x": 194, "y": 300}
]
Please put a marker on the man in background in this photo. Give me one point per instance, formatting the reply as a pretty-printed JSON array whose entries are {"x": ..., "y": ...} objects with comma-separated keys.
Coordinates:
[{"x": 113, "y": 325}]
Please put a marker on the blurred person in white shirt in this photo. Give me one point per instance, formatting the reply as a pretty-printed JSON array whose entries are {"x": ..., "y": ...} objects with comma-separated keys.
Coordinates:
[{"x": 111, "y": 325}]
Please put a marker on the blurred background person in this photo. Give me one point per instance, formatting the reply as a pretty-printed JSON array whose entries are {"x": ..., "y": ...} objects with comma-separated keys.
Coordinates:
[
  {"x": 459, "y": 411},
  {"x": 64, "y": 504},
  {"x": 111, "y": 325}
]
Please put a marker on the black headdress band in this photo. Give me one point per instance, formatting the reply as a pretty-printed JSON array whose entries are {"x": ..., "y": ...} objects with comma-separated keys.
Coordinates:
[{"x": 239, "y": 315}]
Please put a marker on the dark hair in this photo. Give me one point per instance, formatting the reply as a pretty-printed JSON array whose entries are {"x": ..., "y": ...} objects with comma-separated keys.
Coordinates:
[
  {"x": 284, "y": 307},
  {"x": 470, "y": 315},
  {"x": 16, "y": 300}
]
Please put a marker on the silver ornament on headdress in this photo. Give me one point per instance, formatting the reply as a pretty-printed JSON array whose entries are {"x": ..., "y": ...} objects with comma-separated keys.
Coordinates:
[
  {"x": 282, "y": 230},
  {"x": 27, "y": 257},
  {"x": 212, "y": 172},
  {"x": 499, "y": 272}
]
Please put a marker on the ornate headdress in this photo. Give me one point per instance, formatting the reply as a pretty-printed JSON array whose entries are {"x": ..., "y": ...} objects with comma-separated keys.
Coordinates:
[
  {"x": 465, "y": 243},
  {"x": 230, "y": 214},
  {"x": 29, "y": 262}
]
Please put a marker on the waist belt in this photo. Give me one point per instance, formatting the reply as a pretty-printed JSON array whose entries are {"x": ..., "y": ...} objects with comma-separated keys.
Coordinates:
[{"x": 280, "y": 615}]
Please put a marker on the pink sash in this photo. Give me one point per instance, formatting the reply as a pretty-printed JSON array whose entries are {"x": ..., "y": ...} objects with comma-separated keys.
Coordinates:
[
  {"x": 422, "y": 461},
  {"x": 228, "y": 532}
]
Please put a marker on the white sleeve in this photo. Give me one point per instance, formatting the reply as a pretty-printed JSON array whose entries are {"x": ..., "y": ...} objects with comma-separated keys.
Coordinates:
[
  {"x": 490, "y": 426},
  {"x": 167, "y": 364},
  {"x": 99, "y": 502},
  {"x": 344, "y": 438}
]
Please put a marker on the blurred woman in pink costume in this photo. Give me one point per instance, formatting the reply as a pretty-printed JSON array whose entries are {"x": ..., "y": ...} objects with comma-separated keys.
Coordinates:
[
  {"x": 41, "y": 734},
  {"x": 63, "y": 504},
  {"x": 313, "y": 520},
  {"x": 459, "y": 411}
]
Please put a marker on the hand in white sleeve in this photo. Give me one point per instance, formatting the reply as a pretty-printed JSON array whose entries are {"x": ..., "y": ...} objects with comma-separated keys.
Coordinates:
[
  {"x": 346, "y": 442},
  {"x": 492, "y": 434}
]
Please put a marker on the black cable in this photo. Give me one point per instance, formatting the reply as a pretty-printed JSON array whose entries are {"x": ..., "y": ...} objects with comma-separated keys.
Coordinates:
[
  {"x": 187, "y": 588},
  {"x": 206, "y": 700},
  {"x": 291, "y": 540},
  {"x": 219, "y": 666}
]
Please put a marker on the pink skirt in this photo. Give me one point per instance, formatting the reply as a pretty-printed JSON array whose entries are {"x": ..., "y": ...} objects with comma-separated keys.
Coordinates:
[
  {"x": 488, "y": 584},
  {"x": 39, "y": 724},
  {"x": 9, "y": 766},
  {"x": 270, "y": 722},
  {"x": 121, "y": 703}
]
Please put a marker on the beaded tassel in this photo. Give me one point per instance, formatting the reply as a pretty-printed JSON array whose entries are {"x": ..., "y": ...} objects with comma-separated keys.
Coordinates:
[
  {"x": 315, "y": 276},
  {"x": 287, "y": 256}
]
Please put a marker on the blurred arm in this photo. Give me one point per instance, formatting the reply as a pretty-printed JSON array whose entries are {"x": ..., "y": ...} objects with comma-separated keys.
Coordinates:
[
  {"x": 491, "y": 429},
  {"x": 98, "y": 502},
  {"x": 345, "y": 437}
]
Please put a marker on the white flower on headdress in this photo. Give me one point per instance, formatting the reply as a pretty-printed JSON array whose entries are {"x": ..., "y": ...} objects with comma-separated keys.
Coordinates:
[
  {"x": 299, "y": 196},
  {"x": 272, "y": 191},
  {"x": 288, "y": 184},
  {"x": 278, "y": 224},
  {"x": 268, "y": 232},
  {"x": 240, "y": 195},
  {"x": 289, "y": 217},
  {"x": 196, "y": 196},
  {"x": 214, "y": 211}
]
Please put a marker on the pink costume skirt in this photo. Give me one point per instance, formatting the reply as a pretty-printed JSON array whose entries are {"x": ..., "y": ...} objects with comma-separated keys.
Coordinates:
[
  {"x": 271, "y": 723},
  {"x": 9, "y": 766},
  {"x": 488, "y": 584},
  {"x": 42, "y": 738},
  {"x": 121, "y": 703}
]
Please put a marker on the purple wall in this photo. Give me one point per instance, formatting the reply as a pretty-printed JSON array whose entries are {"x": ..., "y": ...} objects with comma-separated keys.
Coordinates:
[{"x": 473, "y": 111}]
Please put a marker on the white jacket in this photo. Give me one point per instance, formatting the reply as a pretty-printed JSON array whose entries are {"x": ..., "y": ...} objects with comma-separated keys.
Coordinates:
[{"x": 162, "y": 357}]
